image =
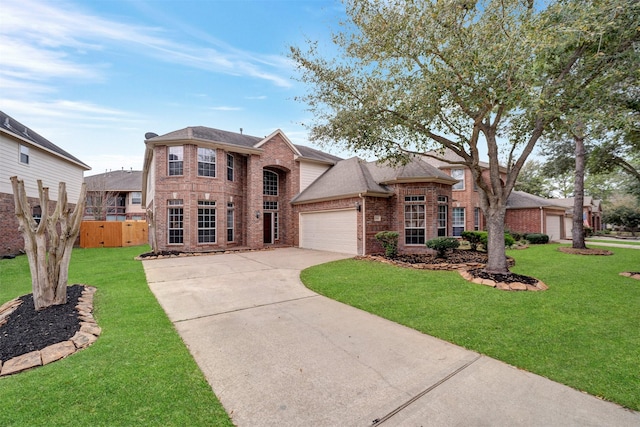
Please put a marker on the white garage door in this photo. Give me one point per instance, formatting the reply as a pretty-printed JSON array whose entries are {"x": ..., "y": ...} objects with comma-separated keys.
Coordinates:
[
  {"x": 554, "y": 227},
  {"x": 334, "y": 231}
]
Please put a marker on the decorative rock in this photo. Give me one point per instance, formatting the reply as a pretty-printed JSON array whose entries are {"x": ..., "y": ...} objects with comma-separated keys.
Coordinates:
[
  {"x": 625, "y": 274},
  {"x": 83, "y": 339},
  {"x": 541, "y": 286},
  {"x": 90, "y": 328},
  {"x": 488, "y": 282},
  {"x": 636, "y": 276},
  {"x": 503, "y": 286},
  {"x": 57, "y": 351},
  {"x": 20, "y": 363},
  {"x": 477, "y": 280},
  {"x": 517, "y": 286},
  {"x": 7, "y": 308}
]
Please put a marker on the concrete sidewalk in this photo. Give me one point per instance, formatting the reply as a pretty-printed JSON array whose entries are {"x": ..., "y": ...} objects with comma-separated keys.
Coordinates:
[{"x": 277, "y": 354}]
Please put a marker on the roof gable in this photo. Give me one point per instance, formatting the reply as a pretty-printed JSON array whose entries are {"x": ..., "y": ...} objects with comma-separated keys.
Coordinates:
[{"x": 10, "y": 125}]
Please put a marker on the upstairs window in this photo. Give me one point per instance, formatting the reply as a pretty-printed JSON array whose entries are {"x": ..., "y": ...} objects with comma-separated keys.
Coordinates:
[
  {"x": 206, "y": 162},
  {"x": 24, "y": 154},
  {"x": 176, "y": 157},
  {"x": 229, "y": 167},
  {"x": 136, "y": 197},
  {"x": 459, "y": 175},
  {"x": 269, "y": 183}
]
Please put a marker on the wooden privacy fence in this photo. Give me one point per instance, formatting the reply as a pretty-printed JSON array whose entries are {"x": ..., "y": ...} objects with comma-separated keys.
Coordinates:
[{"x": 113, "y": 234}]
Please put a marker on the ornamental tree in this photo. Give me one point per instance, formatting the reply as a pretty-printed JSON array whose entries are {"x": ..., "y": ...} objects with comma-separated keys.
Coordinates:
[
  {"x": 49, "y": 242},
  {"x": 414, "y": 76}
]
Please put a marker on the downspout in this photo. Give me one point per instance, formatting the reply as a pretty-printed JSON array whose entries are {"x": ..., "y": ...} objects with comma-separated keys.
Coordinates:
[
  {"x": 541, "y": 221},
  {"x": 364, "y": 226}
]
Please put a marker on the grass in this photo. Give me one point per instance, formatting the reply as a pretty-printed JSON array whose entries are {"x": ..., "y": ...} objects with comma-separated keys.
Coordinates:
[
  {"x": 583, "y": 332},
  {"x": 139, "y": 372}
]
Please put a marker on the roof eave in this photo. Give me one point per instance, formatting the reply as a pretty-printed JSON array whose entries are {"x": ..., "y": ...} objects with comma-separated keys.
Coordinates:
[
  {"x": 385, "y": 195},
  {"x": 40, "y": 147},
  {"x": 217, "y": 144}
]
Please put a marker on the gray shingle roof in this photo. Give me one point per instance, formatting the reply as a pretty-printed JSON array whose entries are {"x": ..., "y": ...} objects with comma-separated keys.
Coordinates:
[
  {"x": 520, "y": 199},
  {"x": 13, "y": 126},
  {"x": 354, "y": 176},
  {"x": 237, "y": 139},
  {"x": 118, "y": 180}
]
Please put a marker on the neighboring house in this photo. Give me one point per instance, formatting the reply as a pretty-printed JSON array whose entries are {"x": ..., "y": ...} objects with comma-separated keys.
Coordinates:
[
  {"x": 526, "y": 213},
  {"x": 30, "y": 157},
  {"x": 591, "y": 213},
  {"x": 114, "y": 196},
  {"x": 207, "y": 189}
]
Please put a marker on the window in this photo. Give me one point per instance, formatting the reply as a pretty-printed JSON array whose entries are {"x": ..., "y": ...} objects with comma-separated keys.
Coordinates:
[
  {"x": 36, "y": 213},
  {"x": 206, "y": 221},
  {"x": 414, "y": 220},
  {"x": 136, "y": 197},
  {"x": 458, "y": 174},
  {"x": 116, "y": 207},
  {"x": 443, "y": 211},
  {"x": 175, "y": 221},
  {"x": 176, "y": 157},
  {"x": 229, "y": 167},
  {"x": 476, "y": 219},
  {"x": 206, "y": 162},
  {"x": 269, "y": 183},
  {"x": 230, "y": 222},
  {"x": 24, "y": 154},
  {"x": 458, "y": 221}
]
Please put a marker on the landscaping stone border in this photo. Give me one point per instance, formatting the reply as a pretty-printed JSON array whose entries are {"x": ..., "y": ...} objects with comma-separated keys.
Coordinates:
[
  {"x": 463, "y": 270},
  {"x": 632, "y": 274},
  {"x": 87, "y": 335}
]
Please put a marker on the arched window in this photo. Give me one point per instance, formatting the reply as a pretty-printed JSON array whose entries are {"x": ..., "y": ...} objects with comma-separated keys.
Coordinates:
[{"x": 269, "y": 183}]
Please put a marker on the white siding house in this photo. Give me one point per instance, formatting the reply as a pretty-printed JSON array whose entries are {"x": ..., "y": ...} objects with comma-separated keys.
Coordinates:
[{"x": 30, "y": 157}]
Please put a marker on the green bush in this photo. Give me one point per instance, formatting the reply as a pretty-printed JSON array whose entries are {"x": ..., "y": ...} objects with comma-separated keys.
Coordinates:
[
  {"x": 389, "y": 241},
  {"x": 442, "y": 244},
  {"x": 516, "y": 235},
  {"x": 508, "y": 240},
  {"x": 473, "y": 237},
  {"x": 537, "y": 238}
]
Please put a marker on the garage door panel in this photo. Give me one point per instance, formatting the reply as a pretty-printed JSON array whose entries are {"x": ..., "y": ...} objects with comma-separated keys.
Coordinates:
[
  {"x": 334, "y": 231},
  {"x": 554, "y": 227}
]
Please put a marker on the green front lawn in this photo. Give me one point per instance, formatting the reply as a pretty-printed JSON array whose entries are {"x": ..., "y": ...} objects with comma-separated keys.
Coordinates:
[
  {"x": 138, "y": 372},
  {"x": 584, "y": 331}
]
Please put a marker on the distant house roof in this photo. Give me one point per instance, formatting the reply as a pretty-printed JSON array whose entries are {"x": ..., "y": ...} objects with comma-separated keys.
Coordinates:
[
  {"x": 522, "y": 200},
  {"x": 241, "y": 142},
  {"x": 10, "y": 125},
  {"x": 355, "y": 177},
  {"x": 118, "y": 180}
]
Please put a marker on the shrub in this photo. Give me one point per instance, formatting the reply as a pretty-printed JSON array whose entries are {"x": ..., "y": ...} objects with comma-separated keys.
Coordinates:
[
  {"x": 442, "y": 244},
  {"x": 508, "y": 240},
  {"x": 516, "y": 235},
  {"x": 537, "y": 238},
  {"x": 389, "y": 241},
  {"x": 473, "y": 237}
]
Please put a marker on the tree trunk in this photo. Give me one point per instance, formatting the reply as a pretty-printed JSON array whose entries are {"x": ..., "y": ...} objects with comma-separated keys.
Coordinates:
[
  {"x": 577, "y": 233},
  {"x": 48, "y": 244},
  {"x": 497, "y": 262}
]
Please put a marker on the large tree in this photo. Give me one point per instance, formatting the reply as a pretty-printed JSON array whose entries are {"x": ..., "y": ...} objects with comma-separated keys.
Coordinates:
[
  {"x": 48, "y": 242},
  {"x": 487, "y": 76}
]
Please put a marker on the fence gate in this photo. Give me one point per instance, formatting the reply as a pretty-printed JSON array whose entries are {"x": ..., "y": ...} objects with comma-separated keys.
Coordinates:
[{"x": 113, "y": 234}]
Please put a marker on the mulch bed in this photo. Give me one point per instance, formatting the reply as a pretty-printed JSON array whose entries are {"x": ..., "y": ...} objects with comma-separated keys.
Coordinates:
[
  {"x": 472, "y": 264},
  {"x": 29, "y": 330},
  {"x": 587, "y": 251}
]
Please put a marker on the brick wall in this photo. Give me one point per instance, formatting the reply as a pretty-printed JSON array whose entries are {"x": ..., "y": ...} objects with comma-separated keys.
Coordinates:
[
  {"x": 245, "y": 192},
  {"x": 524, "y": 220}
]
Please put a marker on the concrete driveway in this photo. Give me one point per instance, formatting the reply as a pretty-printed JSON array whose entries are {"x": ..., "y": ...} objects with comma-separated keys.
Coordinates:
[{"x": 277, "y": 354}]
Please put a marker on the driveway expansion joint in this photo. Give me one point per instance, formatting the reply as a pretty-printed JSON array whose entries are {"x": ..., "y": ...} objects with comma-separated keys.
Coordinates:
[
  {"x": 245, "y": 308},
  {"x": 418, "y": 396}
]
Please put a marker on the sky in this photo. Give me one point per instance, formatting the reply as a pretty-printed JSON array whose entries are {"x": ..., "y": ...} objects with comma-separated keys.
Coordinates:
[{"x": 94, "y": 76}]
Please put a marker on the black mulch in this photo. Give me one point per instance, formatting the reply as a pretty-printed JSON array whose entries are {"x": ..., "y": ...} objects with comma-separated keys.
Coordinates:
[
  {"x": 29, "y": 330},
  {"x": 454, "y": 256},
  {"x": 503, "y": 278}
]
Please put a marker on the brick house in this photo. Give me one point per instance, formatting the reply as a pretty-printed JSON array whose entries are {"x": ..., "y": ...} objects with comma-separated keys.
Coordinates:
[
  {"x": 526, "y": 213},
  {"x": 114, "y": 196},
  {"x": 29, "y": 156},
  {"x": 591, "y": 212},
  {"x": 206, "y": 189}
]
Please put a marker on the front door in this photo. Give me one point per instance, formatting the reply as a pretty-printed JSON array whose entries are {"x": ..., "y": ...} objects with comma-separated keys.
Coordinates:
[{"x": 268, "y": 227}]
